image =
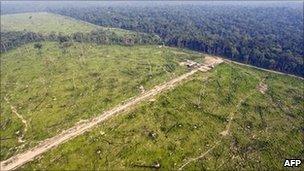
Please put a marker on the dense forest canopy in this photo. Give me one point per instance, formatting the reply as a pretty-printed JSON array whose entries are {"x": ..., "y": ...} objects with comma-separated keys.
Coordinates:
[{"x": 268, "y": 36}]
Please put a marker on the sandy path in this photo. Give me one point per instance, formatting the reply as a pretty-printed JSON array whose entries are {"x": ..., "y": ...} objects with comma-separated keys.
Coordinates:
[
  {"x": 223, "y": 133},
  {"x": 14, "y": 110},
  {"x": 231, "y": 117},
  {"x": 227, "y": 130},
  {"x": 29, "y": 155},
  {"x": 201, "y": 156}
]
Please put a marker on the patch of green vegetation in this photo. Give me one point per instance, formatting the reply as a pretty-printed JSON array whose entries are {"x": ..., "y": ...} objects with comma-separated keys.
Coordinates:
[
  {"x": 187, "y": 121},
  {"x": 46, "y": 23},
  {"x": 54, "y": 86},
  {"x": 42, "y": 22},
  {"x": 266, "y": 129}
]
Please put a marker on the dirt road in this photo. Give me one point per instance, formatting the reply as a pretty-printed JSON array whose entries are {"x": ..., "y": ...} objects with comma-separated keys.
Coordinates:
[
  {"x": 263, "y": 69},
  {"x": 29, "y": 155}
]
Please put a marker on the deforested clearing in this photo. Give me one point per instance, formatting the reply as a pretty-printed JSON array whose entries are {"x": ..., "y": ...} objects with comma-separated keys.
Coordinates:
[
  {"x": 52, "y": 88},
  {"x": 151, "y": 85},
  {"x": 46, "y": 23},
  {"x": 182, "y": 129}
]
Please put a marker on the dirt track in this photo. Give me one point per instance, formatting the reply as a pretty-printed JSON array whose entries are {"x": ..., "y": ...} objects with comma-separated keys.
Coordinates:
[
  {"x": 263, "y": 69},
  {"x": 29, "y": 155},
  {"x": 223, "y": 133},
  {"x": 14, "y": 110}
]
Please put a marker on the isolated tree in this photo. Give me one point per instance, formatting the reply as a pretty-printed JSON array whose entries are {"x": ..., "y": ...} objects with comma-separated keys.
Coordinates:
[
  {"x": 38, "y": 46},
  {"x": 64, "y": 46}
]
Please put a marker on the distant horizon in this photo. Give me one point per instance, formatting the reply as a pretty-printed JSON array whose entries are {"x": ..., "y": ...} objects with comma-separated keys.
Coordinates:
[{"x": 8, "y": 7}]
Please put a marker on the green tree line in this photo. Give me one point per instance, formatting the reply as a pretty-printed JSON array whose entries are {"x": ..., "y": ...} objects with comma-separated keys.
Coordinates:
[
  {"x": 264, "y": 36},
  {"x": 13, "y": 39}
]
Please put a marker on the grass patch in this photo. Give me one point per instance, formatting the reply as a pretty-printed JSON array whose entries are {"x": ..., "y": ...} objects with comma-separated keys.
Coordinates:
[
  {"x": 186, "y": 122},
  {"x": 53, "y": 88},
  {"x": 46, "y": 23}
]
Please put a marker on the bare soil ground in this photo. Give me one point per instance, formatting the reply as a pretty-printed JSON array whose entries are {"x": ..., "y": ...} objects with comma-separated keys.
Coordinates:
[
  {"x": 29, "y": 155},
  {"x": 262, "y": 87}
]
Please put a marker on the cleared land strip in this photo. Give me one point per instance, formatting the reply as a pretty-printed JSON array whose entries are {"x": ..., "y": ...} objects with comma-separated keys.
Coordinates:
[
  {"x": 29, "y": 155},
  {"x": 263, "y": 69}
]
